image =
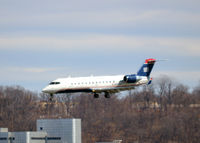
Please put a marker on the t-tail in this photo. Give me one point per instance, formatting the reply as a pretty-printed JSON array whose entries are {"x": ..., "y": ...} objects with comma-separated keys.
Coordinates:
[
  {"x": 144, "y": 71},
  {"x": 146, "y": 68}
]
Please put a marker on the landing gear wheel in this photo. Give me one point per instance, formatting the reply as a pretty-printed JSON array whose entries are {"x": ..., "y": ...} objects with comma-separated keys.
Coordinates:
[
  {"x": 107, "y": 95},
  {"x": 51, "y": 97},
  {"x": 96, "y": 95}
]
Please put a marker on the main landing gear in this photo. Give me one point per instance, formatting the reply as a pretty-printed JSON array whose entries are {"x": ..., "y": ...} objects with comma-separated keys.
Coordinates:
[
  {"x": 106, "y": 95},
  {"x": 96, "y": 95}
]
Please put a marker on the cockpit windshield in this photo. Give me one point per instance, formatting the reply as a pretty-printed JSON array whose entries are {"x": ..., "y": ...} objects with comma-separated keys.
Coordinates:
[{"x": 51, "y": 83}]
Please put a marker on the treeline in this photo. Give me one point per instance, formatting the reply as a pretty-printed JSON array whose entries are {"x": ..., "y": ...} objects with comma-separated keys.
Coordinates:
[{"x": 164, "y": 112}]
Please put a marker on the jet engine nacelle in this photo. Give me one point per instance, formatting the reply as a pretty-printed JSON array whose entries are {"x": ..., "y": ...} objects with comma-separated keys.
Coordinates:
[{"x": 131, "y": 78}]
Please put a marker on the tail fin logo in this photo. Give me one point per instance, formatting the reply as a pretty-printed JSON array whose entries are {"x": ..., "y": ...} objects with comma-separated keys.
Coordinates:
[{"x": 145, "y": 69}]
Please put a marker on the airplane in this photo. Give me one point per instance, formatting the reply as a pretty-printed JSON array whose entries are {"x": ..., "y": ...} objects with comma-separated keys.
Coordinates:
[{"x": 102, "y": 84}]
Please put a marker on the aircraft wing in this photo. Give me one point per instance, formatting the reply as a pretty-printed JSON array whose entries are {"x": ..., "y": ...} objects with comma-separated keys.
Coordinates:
[{"x": 112, "y": 90}]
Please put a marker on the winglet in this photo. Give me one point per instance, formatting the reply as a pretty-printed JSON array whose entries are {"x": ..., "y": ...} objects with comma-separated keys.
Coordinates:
[{"x": 150, "y": 81}]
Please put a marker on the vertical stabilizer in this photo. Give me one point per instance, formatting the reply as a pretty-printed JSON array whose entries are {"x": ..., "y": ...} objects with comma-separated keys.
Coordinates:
[{"x": 146, "y": 68}]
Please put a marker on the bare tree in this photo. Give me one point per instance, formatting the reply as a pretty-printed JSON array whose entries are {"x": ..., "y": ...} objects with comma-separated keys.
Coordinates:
[{"x": 164, "y": 88}]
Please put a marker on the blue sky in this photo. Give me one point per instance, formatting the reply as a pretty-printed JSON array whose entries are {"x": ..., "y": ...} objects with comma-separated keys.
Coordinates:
[{"x": 44, "y": 40}]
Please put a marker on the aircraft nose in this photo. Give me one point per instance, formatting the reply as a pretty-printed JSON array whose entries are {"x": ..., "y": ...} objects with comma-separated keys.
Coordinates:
[{"x": 45, "y": 90}]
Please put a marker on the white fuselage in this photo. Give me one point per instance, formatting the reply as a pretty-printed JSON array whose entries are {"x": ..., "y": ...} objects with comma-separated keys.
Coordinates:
[{"x": 95, "y": 84}]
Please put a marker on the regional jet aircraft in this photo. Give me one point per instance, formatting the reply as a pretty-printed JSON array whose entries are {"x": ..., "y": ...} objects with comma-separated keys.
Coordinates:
[{"x": 99, "y": 84}]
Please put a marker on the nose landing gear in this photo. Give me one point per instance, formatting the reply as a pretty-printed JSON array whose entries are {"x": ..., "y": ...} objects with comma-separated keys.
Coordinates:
[{"x": 51, "y": 97}]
